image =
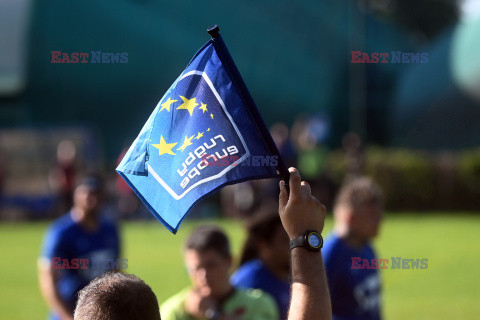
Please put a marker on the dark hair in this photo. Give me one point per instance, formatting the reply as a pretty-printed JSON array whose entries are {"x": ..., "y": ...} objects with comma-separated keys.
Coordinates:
[
  {"x": 209, "y": 237},
  {"x": 260, "y": 227},
  {"x": 117, "y": 296},
  {"x": 92, "y": 180},
  {"x": 359, "y": 193}
]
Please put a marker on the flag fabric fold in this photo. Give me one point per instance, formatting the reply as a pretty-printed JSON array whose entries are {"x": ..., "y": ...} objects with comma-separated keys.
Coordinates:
[{"x": 205, "y": 133}]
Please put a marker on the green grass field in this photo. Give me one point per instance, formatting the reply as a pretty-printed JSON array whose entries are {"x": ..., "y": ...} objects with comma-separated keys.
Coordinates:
[{"x": 447, "y": 289}]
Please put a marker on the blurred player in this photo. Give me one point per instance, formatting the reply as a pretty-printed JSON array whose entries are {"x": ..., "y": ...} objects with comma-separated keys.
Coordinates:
[
  {"x": 265, "y": 261},
  {"x": 78, "y": 247},
  {"x": 208, "y": 261},
  {"x": 351, "y": 264}
]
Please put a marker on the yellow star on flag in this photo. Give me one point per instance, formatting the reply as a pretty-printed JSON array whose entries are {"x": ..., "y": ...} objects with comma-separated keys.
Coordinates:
[
  {"x": 208, "y": 129},
  {"x": 211, "y": 115},
  {"x": 199, "y": 135},
  {"x": 186, "y": 143},
  {"x": 203, "y": 107},
  {"x": 188, "y": 104},
  {"x": 164, "y": 147},
  {"x": 166, "y": 105}
]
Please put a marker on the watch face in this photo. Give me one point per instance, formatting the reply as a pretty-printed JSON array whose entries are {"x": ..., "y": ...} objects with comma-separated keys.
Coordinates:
[{"x": 314, "y": 240}]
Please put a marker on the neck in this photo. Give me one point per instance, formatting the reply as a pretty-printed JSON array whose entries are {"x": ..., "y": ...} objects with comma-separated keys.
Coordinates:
[
  {"x": 349, "y": 237},
  {"x": 83, "y": 218},
  {"x": 224, "y": 294}
]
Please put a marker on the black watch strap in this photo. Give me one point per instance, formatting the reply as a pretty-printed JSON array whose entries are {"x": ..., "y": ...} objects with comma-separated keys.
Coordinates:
[
  {"x": 297, "y": 242},
  {"x": 304, "y": 241}
]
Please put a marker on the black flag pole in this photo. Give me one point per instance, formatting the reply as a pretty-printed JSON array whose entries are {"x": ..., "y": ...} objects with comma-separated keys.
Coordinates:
[{"x": 224, "y": 55}]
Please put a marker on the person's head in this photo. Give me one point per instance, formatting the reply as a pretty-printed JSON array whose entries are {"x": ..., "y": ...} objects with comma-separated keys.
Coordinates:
[
  {"x": 88, "y": 194},
  {"x": 208, "y": 260},
  {"x": 117, "y": 296},
  {"x": 267, "y": 241},
  {"x": 359, "y": 208}
]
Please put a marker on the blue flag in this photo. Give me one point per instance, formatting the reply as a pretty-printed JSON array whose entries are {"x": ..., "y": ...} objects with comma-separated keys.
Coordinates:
[{"x": 205, "y": 133}]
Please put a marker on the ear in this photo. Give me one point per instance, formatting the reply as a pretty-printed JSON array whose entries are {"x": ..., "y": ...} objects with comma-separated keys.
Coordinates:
[{"x": 349, "y": 216}]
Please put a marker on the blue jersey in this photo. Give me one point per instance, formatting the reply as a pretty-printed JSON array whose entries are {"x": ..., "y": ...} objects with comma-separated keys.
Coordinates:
[
  {"x": 354, "y": 289},
  {"x": 254, "y": 274},
  {"x": 66, "y": 243}
]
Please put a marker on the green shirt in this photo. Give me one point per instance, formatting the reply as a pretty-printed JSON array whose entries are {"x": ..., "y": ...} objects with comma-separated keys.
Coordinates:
[{"x": 251, "y": 304}]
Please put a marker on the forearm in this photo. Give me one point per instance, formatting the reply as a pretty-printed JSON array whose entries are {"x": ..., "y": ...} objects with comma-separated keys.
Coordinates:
[
  {"x": 310, "y": 297},
  {"x": 300, "y": 212},
  {"x": 51, "y": 296}
]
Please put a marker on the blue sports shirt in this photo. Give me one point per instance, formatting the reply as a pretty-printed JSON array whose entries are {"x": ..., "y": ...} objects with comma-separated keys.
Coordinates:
[
  {"x": 67, "y": 240},
  {"x": 355, "y": 292}
]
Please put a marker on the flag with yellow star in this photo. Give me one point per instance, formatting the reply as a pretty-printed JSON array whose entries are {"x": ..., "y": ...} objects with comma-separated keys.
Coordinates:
[{"x": 205, "y": 133}]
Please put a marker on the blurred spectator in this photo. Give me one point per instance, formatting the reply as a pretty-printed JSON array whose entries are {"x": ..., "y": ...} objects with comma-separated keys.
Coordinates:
[
  {"x": 265, "y": 259},
  {"x": 309, "y": 135},
  {"x": 62, "y": 177},
  {"x": 77, "y": 247},
  {"x": 241, "y": 199},
  {"x": 211, "y": 296},
  {"x": 351, "y": 264},
  {"x": 280, "y": 135},
  {"x": 117, "y": 296},
  {"x": 352, "y": 145}
]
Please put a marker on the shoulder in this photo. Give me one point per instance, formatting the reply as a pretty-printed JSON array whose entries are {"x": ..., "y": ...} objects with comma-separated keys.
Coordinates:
[
  {"x": 173, "y": 307},
  {"x": 253, "y": 304},
  {"x": 61, "y": 227},
  {"x": 332, "y": 241},
  {"x": 333, "y": 246},
  {"x": 64, "y": 222},
  {"x": 334, "y": 254},
  {"x": 369, "y": 249},
  {"x": 257, "y": 295},
  {"x": 107, "y": 222},
  {"x": 247, "y": 272},
  {"x": 55, "y": 240}
]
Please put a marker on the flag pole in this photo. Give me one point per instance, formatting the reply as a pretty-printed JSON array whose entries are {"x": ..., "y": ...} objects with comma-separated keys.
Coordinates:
[{"x": 214, "y": 32}]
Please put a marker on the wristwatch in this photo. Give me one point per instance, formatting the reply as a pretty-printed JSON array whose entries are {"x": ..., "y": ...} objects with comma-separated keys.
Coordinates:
[{"x": 311, "y": 240}]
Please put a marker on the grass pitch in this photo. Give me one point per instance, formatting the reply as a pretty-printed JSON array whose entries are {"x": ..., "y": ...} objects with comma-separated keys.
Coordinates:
[{"x": 447, "y": 289}]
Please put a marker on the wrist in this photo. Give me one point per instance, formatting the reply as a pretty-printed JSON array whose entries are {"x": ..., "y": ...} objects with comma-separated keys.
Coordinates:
[{"x": 310, "y": 240}]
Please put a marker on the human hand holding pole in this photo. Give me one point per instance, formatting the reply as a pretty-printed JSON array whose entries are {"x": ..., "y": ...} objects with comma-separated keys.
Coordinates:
[
  {"x": 300, "y": 212},
  {"x": 298, "y": 209}
]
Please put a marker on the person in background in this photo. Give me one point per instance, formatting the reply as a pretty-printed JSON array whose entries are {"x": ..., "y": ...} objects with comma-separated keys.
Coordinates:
[
  {"x": 61, "y": 178},
  {"x": 211, "y": 296},
  {"x": 77, "y": 247},
  {"x": 265, "y": 260},
  {"x": 354, "y": 285},
  {"x": 117, "y": 296}
]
